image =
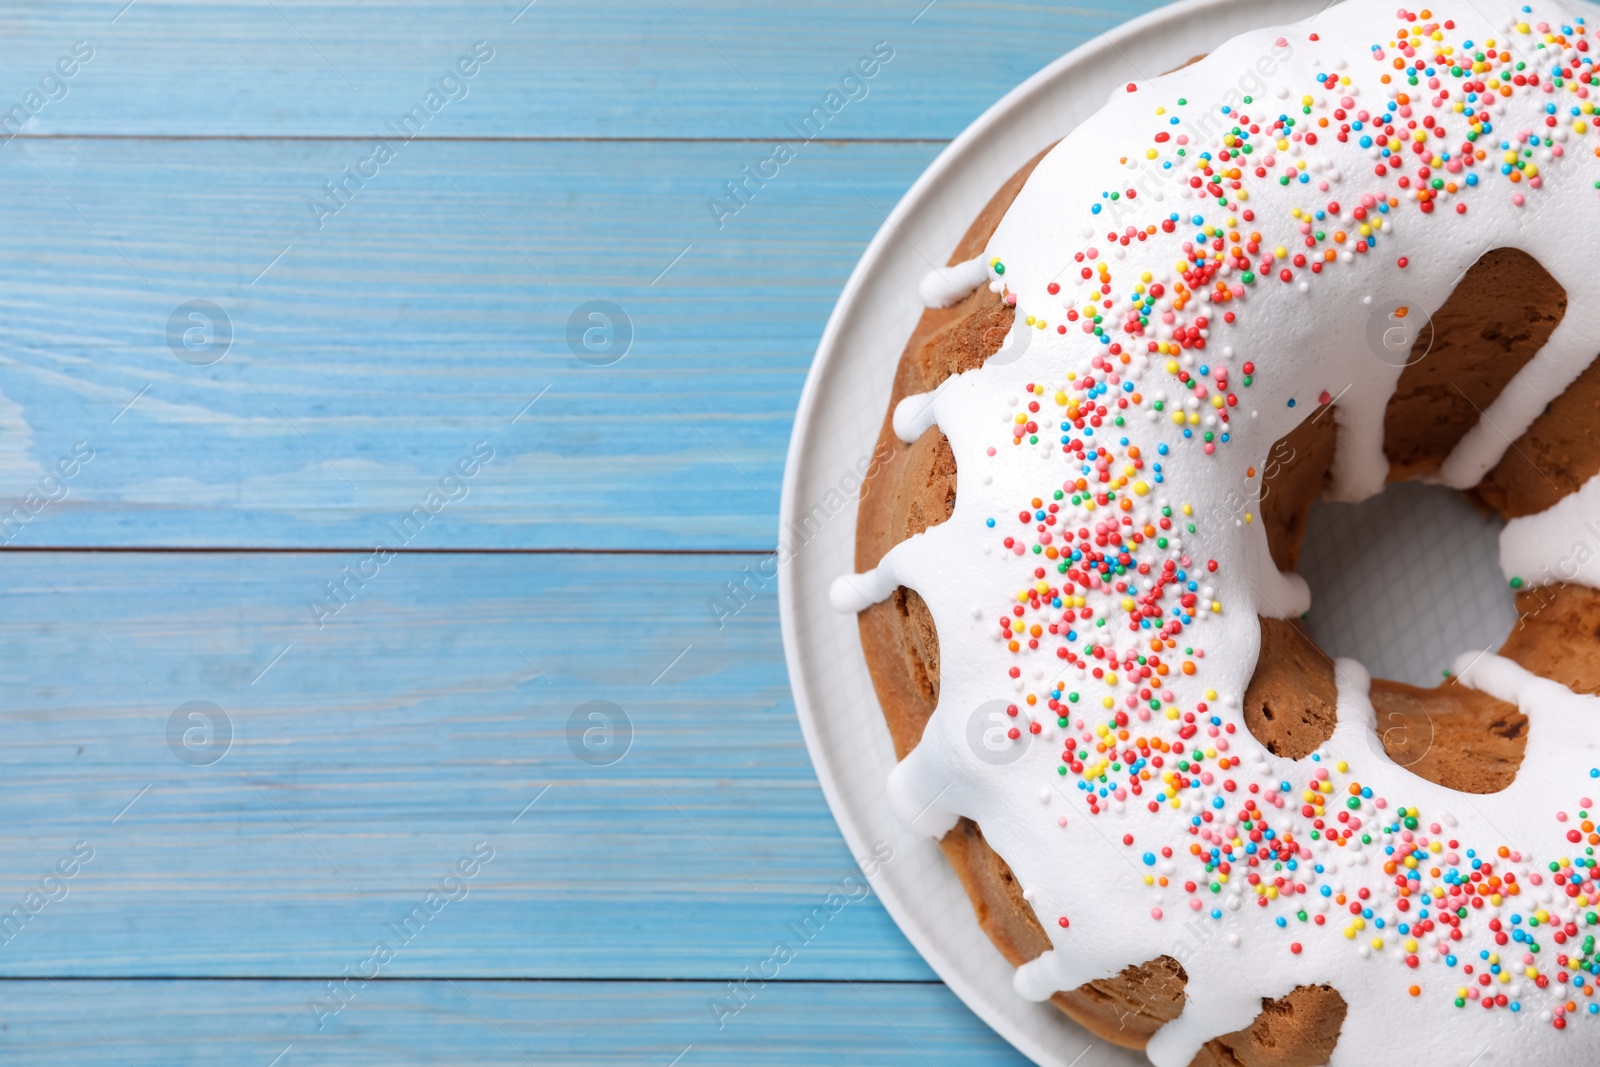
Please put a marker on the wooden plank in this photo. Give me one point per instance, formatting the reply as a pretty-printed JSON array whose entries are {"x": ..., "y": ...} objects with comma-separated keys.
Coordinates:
[
  {"x": 492, "y": 1024},
  {"x": 612, "y": 68},
  {"x": 372, "y": 755},
  {"x": 369, "y": 356}
]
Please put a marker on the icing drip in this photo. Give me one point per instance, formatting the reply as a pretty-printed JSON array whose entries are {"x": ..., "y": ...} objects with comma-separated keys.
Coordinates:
[
  {"x": 852, "y": 593},
  {"x": 945, "y": 287},
  {"x": 1097, "y": 587},
  {"x": 1570, "y": 349},
  {"x": 915, "y": 415},
  {"x": 1560, "y": 544}
]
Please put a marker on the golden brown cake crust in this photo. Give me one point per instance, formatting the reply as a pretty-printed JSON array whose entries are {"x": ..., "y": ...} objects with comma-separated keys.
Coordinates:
[{"x": 1502, "y": 311}]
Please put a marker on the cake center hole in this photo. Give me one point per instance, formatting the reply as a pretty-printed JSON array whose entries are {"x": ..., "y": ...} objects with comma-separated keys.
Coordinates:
[{"x": 1406, "y": 581}]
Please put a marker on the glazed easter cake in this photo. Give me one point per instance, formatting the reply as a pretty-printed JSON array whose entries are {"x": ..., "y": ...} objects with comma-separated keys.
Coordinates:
[{"x": 1325, "y": 257}]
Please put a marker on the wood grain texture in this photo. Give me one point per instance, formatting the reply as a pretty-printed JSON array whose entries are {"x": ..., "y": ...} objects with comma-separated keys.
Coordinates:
[
  {"x": 377, "y": 751},
  {"x": 421, "y": 319},
  {"x": 565, "y": 68},
  {"x": 373, "y": 348},
  {"x": 491, "y": 1024}
]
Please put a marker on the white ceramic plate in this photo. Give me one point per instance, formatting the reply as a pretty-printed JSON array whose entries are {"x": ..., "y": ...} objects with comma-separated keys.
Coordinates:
[{"x": 837, "y": 425}]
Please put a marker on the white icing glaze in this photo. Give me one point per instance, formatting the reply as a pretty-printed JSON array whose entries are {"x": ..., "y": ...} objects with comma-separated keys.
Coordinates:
[
  {"x": 913, "y": 416},
  {"x": 945, "y": 287},
  {"x": 1570, "y": 349},
  {"x": 851, "y": 593},
  {"x": 1560, "y": 544},
  {"x": 1309, "y": 341}
]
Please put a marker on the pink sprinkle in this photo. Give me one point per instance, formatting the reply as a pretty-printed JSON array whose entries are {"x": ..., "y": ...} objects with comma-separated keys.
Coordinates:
[{"x": 1155, "y": 913}]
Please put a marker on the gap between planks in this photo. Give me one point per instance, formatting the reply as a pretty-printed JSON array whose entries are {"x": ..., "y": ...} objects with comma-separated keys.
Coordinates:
[
  {"x": 276, "y": 550},
  {"x": 497, "y": 980},
  {"x": 464, "y": 139}
]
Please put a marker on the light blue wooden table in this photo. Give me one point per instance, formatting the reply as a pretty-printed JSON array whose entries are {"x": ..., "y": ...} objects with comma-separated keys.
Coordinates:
[{"x": 241, "y": 750}]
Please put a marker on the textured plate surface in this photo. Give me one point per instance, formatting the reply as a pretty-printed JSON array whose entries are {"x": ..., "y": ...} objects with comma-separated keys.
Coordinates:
[{"x": 838, "y": 421}]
